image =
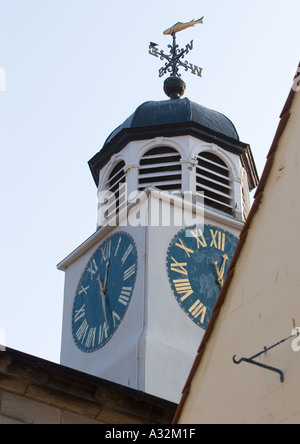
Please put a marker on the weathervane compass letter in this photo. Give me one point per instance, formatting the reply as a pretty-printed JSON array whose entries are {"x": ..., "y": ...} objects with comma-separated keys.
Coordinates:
[{"x": 174, "y": 86}]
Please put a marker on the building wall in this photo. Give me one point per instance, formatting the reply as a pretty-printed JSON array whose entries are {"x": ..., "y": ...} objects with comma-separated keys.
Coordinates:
[
  {"x": 34, "y": 391},
  {"x": 156, "y": 335},
  {"x": 117, "y": 361},
  {"x": 17, "y": 409},
  {"x": 261, "y": 308},
  {"x": 171, "y": 337}
]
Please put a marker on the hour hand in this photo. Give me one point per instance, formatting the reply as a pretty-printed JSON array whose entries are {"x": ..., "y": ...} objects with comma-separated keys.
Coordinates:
[
  {"x": 220, "y": 273},
  {"x": 100, "y": 284},
  {"x": 106, "y": 276},
  {"x": 219, "y": 278},
  {"x": 103, "y": 300}
]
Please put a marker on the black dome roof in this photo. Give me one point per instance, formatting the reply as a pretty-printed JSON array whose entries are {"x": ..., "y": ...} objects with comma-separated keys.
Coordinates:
[
  {"x": 172, "y": 118},
  {"x": 168, "y": 112}
]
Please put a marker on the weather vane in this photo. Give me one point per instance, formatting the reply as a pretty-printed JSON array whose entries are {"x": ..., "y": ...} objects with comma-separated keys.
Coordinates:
[{"x": 175, "y": 87}]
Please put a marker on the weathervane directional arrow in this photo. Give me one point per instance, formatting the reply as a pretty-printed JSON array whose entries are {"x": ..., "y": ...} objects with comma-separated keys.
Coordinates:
[{"x": 174, "y": 59}]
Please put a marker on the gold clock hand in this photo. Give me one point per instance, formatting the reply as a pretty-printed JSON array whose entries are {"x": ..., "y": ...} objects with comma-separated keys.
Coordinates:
[
  {"x": 100, "y": 283},
  {"x": 103, "y": 300},
  {"x": 106, "y": 276},
  {"x": 219, "y": 279},
  {"x": 225, "y": 259},
  {"x": 220, "y": 273},
  {"x": 104, "y": 309}
]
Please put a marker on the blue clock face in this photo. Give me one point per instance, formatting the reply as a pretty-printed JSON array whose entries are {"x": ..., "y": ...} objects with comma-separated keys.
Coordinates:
[
  {"x": 197, "y": 262},
  {"x": 104, "y": 292}
]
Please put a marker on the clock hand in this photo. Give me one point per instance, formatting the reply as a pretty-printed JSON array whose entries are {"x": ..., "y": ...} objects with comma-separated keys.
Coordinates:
[
  {"x": 106, "y": 276},
  {"x": 225, "y": 259},
  {"x": 104, "y": 309},
  {"x": 103, "y": 300},
  {"x": 100, "y": 283},
  {"x": 220, "y": 273},
  {"x": 219, "y": 279}
]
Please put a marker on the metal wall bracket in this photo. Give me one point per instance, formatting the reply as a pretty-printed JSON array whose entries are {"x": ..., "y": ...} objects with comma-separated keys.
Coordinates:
[{"x": 267, "y": 367}]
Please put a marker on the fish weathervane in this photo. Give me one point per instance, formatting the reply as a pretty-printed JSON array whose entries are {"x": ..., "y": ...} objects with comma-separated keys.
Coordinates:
[
  {"x": 174, "y": 59},
  {"x": 181, "y": 26}
]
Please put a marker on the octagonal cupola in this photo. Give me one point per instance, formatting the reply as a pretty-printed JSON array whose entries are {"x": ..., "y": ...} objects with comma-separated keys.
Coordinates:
[{"x": 178, "y": 145}]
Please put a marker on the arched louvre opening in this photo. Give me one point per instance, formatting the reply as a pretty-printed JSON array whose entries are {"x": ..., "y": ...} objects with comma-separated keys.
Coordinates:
[
  {"x": 213, "y": 178},
  {"x": 161, "y": 168},
  {"x": 116, "y": 184}
]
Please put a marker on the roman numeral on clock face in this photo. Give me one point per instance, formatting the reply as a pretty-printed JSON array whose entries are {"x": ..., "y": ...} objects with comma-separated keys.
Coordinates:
[
  {"x": 118, "y": 246},
  {"x": 200, "y": 239},
  {"x": 82, "y": 330},
  {"x": 127, "y": 253},
  {"x": 218, "y": 240},
  {"x": 181, "y": 245},
  {"x": 183, "y": 287},
  {"x": 130, "y": 272},
  {"x": 83, "y": 290},
  {"x": 116, "y": 318},
  {"x": 91, "y": 337},
  {"x": 103, "y": 333},
  {"x": 125, "y": 295},
  {"x": 93, "y": 268},
  {"x": 105, "y": 251},
  {"x": 179, "y": 267},
  {"x": 198, "y": 309},
  {"x": 79, "y": 313}
]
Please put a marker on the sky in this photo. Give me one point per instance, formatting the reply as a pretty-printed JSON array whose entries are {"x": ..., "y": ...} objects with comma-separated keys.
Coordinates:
[{"x": 71, "y": 71}]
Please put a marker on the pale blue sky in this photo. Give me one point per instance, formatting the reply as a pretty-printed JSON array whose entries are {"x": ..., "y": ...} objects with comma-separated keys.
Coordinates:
[{"x": 75, "y": 69}]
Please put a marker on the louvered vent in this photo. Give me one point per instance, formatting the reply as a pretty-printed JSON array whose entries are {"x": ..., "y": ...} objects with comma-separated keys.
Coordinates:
[
  {"x": 213, "y": 178},
  {"x": 161, "y": 168},
  {"x": 116, "y": 185}
]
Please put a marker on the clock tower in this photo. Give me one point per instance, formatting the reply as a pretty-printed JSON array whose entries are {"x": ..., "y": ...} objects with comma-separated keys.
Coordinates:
[{"x": 139, "y": 293}]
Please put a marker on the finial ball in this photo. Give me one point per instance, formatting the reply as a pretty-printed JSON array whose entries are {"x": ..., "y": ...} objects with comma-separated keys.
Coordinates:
[{"x": 174, "y": 87}]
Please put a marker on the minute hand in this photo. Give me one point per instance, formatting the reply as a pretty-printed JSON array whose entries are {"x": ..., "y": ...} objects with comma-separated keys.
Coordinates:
[
  {"x": 220, "y": 273},
  {"x": 106, "y": 277},
  {"x": 103, "y": 300},
  {"x": 225, "y": 259}
]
